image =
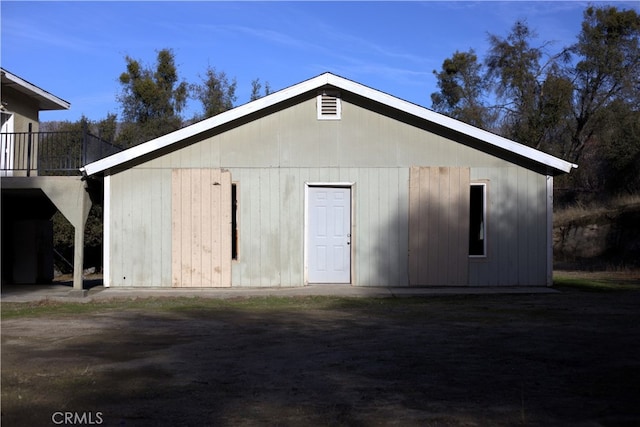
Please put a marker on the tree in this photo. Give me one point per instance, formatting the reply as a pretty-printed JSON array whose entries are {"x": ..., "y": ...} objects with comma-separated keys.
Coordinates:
[
  {"x": 255, "y": 89},
  {"x": 534, "y": 96},
  {"x": 462, "y": 88},
  {"x": 618, "y": 149},
  {"x": 107, "y": 128},
  {"x": 216, "y": 92},
  {"x": 607, "y": 71},
  {"x": 67, "y": 141},
  {"x": 151, "y": 99},
  {"x": 581, "y": 103}
]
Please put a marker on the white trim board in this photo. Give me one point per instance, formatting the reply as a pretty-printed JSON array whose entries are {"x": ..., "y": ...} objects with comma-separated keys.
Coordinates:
[
  {"x": 327, "y": 79},
  {"x": 106, "y": 233},
  {"x": 46, "y": 100}
]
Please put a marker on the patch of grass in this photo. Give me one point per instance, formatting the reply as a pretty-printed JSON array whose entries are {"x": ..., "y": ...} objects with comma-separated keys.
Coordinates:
[
  {"x": 182, "y": 305},
  {"x": 185, "y": 304},
  {"x": 45, "y": 307},
  {"x": 595, "y": 285},
  {"x": 580, "y": 211}
]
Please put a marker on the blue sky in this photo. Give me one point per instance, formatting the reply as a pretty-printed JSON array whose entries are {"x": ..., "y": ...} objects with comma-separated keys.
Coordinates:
[{"x": 76, "y": 50}]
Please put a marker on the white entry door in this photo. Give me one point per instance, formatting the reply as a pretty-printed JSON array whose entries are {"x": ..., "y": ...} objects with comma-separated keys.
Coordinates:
[{"x": 329, "y": 235}]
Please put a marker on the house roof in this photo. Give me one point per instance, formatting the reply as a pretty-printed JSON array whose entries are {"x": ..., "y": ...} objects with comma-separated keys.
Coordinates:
[
  {"x": 46, "y": 100},
  {"x": 321, "y": 81}
]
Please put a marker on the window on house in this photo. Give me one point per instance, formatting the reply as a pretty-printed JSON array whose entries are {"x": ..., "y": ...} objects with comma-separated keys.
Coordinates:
[
  {"x": 234, "y": 221},
  {"x": 329, "y": 106},
  {"x": 477, "y": 220}
]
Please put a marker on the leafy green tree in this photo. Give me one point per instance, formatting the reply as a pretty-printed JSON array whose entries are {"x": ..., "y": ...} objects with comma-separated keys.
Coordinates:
[
  {"x": 217, "y": 92},
  {"x": 65, "y": 139},
  {"x": 462, "y": 88},
  {"x": 581, "y": 103},
  {"x": 618, "y": 150},
  {"x": 534, "y": 95},
  {"x": 513, "y": 64},
  {"x": 151, "y": 99},
  {"x": 255, "y": 89},
  {"x": 64, "y": 238},
  {"x": 107, "y": 128},
  {"x": 607, "y": 72}
]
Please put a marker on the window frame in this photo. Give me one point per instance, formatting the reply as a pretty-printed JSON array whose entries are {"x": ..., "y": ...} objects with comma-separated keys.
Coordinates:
[
  {"x": 484, "y": 185},
  {"x": 235, "y": 220}
]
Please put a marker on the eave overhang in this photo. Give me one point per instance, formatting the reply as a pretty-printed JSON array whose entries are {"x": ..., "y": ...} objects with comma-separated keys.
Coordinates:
[
  {"x": 44, "y": 99},
  {"x": 552, "y": 165}
]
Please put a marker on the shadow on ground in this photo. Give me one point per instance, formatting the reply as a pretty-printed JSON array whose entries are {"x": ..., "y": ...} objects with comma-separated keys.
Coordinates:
[{"x": 555, "y": 359}]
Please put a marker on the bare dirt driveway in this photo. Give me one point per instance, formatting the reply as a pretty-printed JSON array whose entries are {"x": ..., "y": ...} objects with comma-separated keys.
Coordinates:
[{"x": 566, "y": 359}]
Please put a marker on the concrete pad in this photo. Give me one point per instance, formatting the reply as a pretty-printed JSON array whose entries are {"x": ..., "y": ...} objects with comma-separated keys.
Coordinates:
[{"x": 77, "y": 293}]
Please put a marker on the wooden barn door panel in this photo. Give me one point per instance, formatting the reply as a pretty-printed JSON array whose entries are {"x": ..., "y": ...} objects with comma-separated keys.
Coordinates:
[
  {"x": 438, "y": 226},
  {"x": 201, "y": 228}
]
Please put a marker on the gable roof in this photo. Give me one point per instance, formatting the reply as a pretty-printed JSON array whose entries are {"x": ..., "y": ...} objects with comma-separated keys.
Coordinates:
[
  {"x": 45, "y": 100},
  {"x": 321, "y": 81}
]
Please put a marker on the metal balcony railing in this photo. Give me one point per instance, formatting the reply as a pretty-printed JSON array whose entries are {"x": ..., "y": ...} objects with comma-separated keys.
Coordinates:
[{"x": 50, "y": 153}]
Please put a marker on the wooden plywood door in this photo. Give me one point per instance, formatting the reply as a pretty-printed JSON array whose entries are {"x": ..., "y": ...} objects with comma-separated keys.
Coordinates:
[
  {"x": 438, "y": 226},
  {"x": 201, "y": 228}
]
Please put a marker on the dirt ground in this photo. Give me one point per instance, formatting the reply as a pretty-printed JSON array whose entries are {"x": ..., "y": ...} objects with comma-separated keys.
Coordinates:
[{"x": 565, "y": 359}]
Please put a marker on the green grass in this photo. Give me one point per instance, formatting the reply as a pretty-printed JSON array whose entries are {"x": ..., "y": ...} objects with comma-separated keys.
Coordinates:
[
  {"x": 595, "y": 285},
  {"x": 179, "y": 304},
  {"x": 390, "y": 306}
]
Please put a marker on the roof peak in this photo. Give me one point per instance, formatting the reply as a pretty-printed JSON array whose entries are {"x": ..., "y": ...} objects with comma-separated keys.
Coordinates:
[{"x": 342, "y": 83}]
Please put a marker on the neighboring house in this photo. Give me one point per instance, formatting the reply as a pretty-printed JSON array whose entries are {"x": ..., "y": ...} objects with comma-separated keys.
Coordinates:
[
  {"x": 328, "y": 181},
  {"x": 21, "y": 106},
  {"x": 34, "y": 169}
]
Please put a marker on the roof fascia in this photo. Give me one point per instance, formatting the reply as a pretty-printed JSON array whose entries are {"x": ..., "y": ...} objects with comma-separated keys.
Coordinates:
[
  {"x": 51, "y": 101},
  {"x": 340, "y": 83},
  {"x": 453, "y": 124},
  {"x": 203, "y": 126}
]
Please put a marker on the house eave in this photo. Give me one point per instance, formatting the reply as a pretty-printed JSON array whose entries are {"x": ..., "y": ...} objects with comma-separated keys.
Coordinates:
[
  {"x": 554, "y": 165},
  {"x": 46, "y": 101}
]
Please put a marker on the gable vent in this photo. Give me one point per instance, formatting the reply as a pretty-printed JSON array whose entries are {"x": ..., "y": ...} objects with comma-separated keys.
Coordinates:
[{"x": 328, "y": 104}]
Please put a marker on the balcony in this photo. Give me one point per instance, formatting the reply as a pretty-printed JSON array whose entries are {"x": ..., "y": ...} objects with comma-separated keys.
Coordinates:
[{"x": 50, "y": 153}]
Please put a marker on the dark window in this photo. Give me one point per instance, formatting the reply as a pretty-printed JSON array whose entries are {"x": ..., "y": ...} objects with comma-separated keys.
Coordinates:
[
  {"x": 477, "y": 232},
  {"x": 234, "y": 221}
]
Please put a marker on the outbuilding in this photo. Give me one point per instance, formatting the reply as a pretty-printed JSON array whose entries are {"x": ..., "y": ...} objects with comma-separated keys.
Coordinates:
[{"x": 328, "y": 181}]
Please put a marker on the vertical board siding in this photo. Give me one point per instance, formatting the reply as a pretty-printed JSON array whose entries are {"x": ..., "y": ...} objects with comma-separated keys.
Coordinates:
[
  {"x": 384, "y": 247},
  {"x": 201, "y": 228},
  {"x": 271, "y": 226},
  {"x": 137, "y": 247},
  {"x": 273, "y": 156},
  {"x": 438, "y": 226},
  {"x": 515, "y": 229},
  {"x": 366, "y": 235},
  {"x": 271, "y": 229}
]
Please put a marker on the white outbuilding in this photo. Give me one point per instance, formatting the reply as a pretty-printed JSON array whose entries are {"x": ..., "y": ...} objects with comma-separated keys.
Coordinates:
[{"x": 328, "y": 181}]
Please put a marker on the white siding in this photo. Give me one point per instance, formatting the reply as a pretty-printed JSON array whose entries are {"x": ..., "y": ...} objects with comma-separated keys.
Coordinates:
[
  {"x": 272, "y": 157},
  {"x": 140, "y": 244}
]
